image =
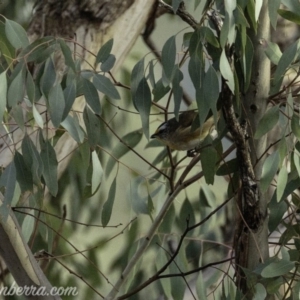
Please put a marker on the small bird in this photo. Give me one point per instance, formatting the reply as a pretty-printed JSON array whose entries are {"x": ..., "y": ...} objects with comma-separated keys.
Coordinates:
[{"x": 178, "y": 135}]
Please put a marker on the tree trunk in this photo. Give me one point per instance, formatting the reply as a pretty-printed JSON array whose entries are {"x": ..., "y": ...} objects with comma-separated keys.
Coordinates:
[{"x": 251, "y": 245}]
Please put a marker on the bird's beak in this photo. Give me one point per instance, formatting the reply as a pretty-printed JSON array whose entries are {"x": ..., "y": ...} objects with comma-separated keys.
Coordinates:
[{"x": 153, "y": 136}]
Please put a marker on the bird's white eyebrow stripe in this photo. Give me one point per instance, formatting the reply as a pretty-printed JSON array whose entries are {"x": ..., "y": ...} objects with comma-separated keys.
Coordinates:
[{"x": 162, "y": 126}]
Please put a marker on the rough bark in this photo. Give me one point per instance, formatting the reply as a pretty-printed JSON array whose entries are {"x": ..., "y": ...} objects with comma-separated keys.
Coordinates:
[{"x": 251, "y": 244}]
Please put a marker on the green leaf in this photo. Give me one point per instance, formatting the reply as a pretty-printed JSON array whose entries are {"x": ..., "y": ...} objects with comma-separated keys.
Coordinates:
[
  {"x": 196, "y": 71},
  {"x": 289, "y": 15},
  {"x": 3, "y": 94},
  {"x": 32, "y": 159},
  {"x": 177, "y": 91},
  {"x": 160, "y": 261},
  {"x": 108, "y": 64},
  {"x": 295, "y": 126},
  {"x": 69, "y": 96},
  {"x": 108, "y": 205},
  {"x": 196, "y": 45},
  {"x": 151, "y": 75},
  {"x": 226, "y": 71},
  {"x": 16, "y": 34},
  {"x": 168, "y": 57},
  {"x": 159, "y": 90},
  {"x": 208, "y": 159},
  {"x": 136, "y": 76},
  {"x": 37, "y": 117},
  {"x": 56, "y": 103},
  {"x": 105, "y": 86},
  {"x": 92, "y": 125},
  {"x": 49, "y": 77},
  {"x": 267, "y": 122},
  {"x": 24, "y": 176},
  {"x": 91, "y": 95},
  {"x": 274, "y": 285},
  {"x": 277, "y": 210},
  {"x": 16, "y": 89},
  {"x": 104, "y": 52},
  {"x": 67, "y": 54},
  {"x": 211, "y": 93},
  {"x": 8, "y": 181},
  {"x": 186, "y": 39},
  {"x": 28, "y": 226},
  {"x": 131, "y": 139},
  {"x": 7, "y": 50},
  {"x": 142, "y": 102},
  {"x": 296, "y": 161},
  {"x": 281, "y": 183},
  {"x": 48, "y": 157},
  {"x": 285, "y": 61},
  {"x": 139, "y": 202},
  {"x": 278, "y": 268},
  {"x": 273, "y": 8},
  {"x": 239, "y": 17},
  {"x": 228, "y": 167},
  {"x": 260, "y": 292},
  {"x": 30, "y": 88},
  {"x": 97, "y": 173},
  {"x": 71, "y": 124},
  {"x": 251, "y": 13},
  {"x": 273, "y": 52},
  {"x": 269, "y": 170},
  {"x": 175, "y": 5},
  {"x": 258, "y": 6},
  {"x": 207, "y": 35},
  {"x": 248, "y": 62}
]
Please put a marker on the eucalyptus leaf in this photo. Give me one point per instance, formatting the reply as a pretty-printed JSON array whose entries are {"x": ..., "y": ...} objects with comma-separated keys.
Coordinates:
[
  {"x": 226, "y": 71},
  {"x": 16, "y": 89},
  {"x": 91, "y": 95},
  {"x": 69, "y": 61},
  {"x": 69, "y": 96},
  {"x": 108, "y": 205},
  {"x": 105, "y": 86},
  {"x": 273, "y": 52},
  {"x": 50, "y": 164},
  {"x": 49, "y": 77},
  {"x": 56, "y": 102},
  {"x": 8, "y": 180},
  {"x": 24, "y": 175},
  {"x": 269, "y": 170},
  {"x": 3, "y": 94},
  {"x": 97, "y": 172},
  {"x": 295, "y": 126},
  {"x": 273, "y": 7},
  {"x": 142, "y": 102},
  {"x": 92, "y": 125},
  {"x": 177, "y": 90},
  {"x": 267, "y": 122},
  {"x": 277, "y": 268},
  {"x": 209, "y": 158},
  {"x": 281, "y": 183},
  {"x": 289, "y": 15},
  {"x": 104, "y": 52},
  {"x": 16, "y": 34},
  {"x": 28, "y": 226},
  {"x": 71, "y": 124},
  {"x": 32, "y": 159},
  {"x": 108, "y": 64},
  {"x": 168, "y": 57}
]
